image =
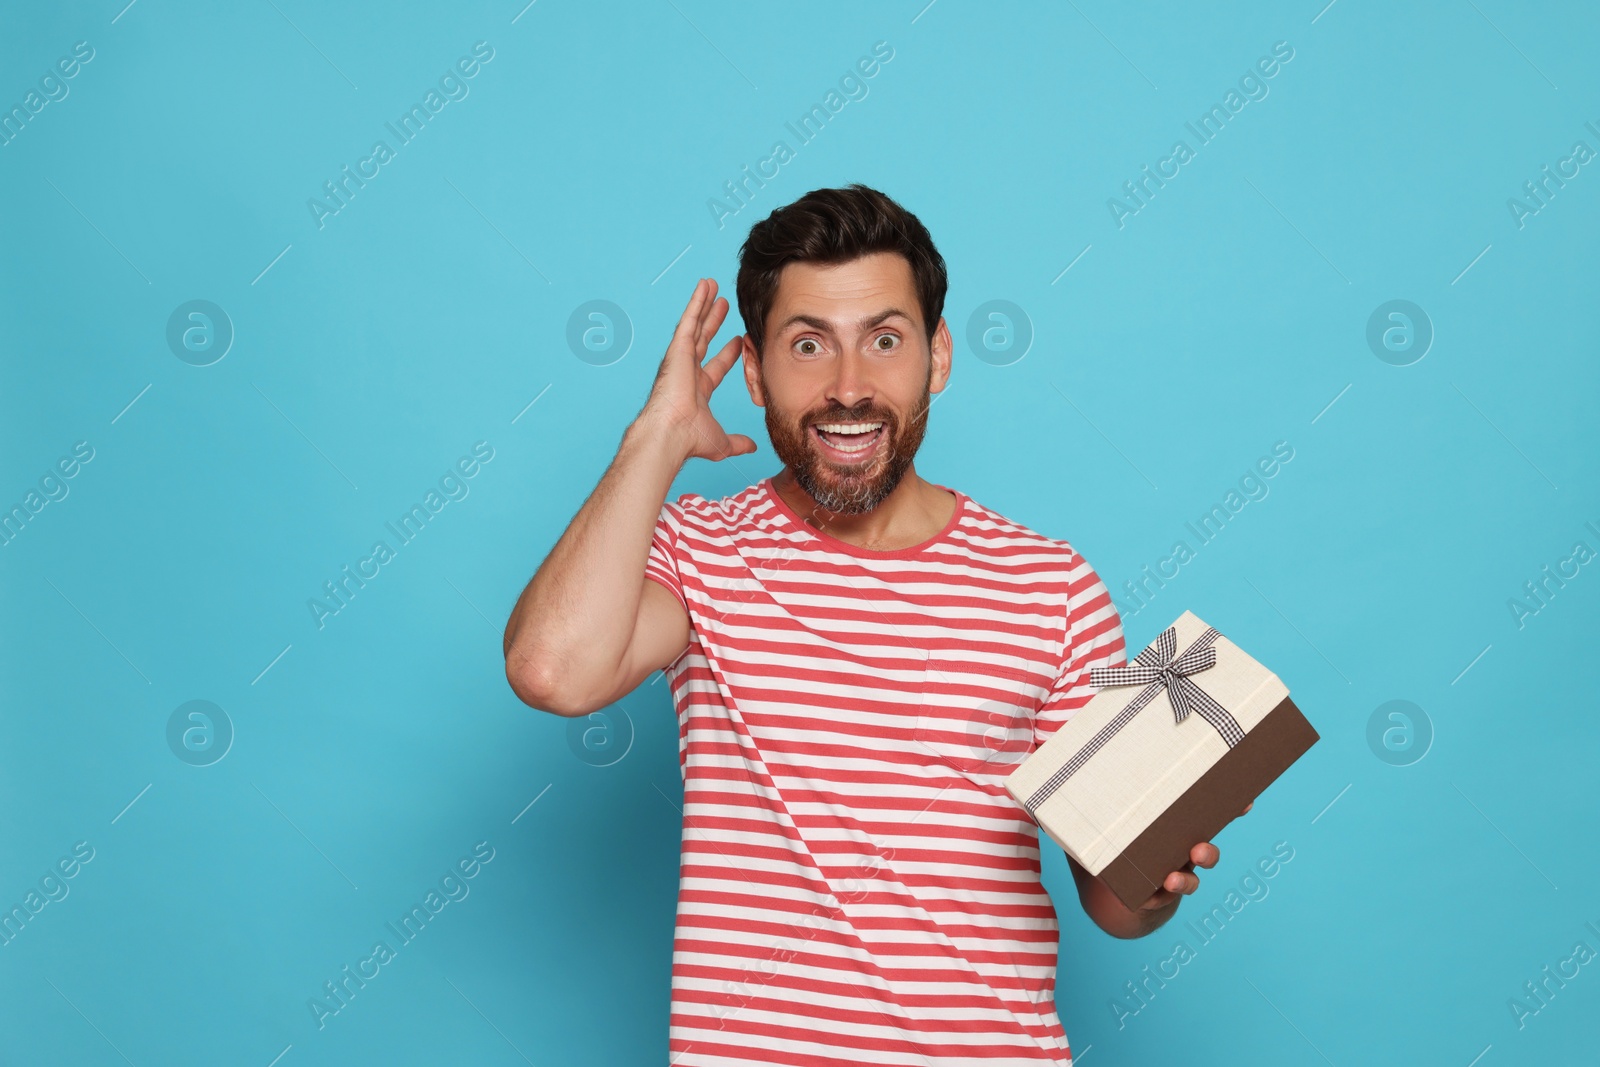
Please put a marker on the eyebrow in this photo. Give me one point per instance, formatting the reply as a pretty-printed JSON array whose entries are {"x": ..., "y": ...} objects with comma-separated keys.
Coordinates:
[{"x": 826, "y": 327}]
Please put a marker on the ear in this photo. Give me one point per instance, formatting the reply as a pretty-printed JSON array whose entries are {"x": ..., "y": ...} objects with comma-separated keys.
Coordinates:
[
  {"x": 752, "y": 372},
  {"x": 940, "y": 352}
]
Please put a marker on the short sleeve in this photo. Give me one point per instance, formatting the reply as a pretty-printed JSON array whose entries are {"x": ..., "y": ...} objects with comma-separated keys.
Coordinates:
[
  {"x": 1093, "y": 639},
  {"x": 662, "y": 564}
]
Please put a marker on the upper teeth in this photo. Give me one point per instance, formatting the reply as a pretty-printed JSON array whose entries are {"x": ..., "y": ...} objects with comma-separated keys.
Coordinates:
[{"x": 849, "y": 427}]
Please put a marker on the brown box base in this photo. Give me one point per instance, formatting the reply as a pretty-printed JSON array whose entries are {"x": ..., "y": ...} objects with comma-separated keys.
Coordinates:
[{"x": 1215, "y": 800}]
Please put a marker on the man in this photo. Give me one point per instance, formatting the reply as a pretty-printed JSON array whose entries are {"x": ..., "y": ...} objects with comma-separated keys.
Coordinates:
[{"x": 858, "y": 658}]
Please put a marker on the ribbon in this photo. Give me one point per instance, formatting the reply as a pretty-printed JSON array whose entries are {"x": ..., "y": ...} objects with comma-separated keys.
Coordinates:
[{"x": 1156, "y": 668}]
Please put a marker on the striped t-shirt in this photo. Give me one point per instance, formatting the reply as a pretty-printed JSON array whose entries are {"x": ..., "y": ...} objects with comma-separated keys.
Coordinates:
[{"x": 856, "y": 885}]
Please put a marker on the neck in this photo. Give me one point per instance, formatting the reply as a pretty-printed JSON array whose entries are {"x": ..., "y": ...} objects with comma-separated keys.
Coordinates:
[{"x": 914, "y": 512}]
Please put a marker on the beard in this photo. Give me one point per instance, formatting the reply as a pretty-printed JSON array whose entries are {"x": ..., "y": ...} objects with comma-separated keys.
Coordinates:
[{"x": 848, "y": 489}]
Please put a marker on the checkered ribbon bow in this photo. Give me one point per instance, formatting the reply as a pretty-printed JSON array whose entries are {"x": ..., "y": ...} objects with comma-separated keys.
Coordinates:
[{"x": 1156, "y": 668}]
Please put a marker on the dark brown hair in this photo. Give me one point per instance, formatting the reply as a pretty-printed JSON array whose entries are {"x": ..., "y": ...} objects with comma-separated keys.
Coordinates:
[{"x": 835, "y": 226}]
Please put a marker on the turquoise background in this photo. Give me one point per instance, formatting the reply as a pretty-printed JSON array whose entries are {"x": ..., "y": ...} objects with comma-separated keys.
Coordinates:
[{"x": 1228, "y": 314}]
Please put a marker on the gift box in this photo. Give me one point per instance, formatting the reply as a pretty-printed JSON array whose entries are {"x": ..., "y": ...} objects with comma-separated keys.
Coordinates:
[{"x": 1166, "y": 753}]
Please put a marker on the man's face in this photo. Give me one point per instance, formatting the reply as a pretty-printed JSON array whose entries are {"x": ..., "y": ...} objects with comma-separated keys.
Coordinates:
[{"x": 846, "y": 348}]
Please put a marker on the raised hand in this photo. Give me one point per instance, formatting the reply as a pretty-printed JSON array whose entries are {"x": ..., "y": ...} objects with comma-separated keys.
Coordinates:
[{"x": 680, "y": 399}]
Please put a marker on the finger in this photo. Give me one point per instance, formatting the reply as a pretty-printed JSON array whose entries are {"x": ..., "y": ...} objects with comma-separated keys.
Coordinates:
[
  {"x": 1181, "y": 882},
  {"x": 1247, "y": 808},
  {"x": 1158, "y": 900},
  {"x": 708, "y": 304},
  {"x": 723, "y": 361},
  {"x": 716, "y": 312},
  {"x": 1204, "y": 854},
  {"x": 739, "y": 445},
  {"x": 709, "y": 307},
  {"x": 691, "y": 314}
]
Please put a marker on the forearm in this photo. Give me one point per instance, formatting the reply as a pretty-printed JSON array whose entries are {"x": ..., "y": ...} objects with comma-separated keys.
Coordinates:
[{"x": 575, "y": 619}]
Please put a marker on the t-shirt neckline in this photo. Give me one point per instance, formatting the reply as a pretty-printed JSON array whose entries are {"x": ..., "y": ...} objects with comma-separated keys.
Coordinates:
[{"x": 790, "y": 518}]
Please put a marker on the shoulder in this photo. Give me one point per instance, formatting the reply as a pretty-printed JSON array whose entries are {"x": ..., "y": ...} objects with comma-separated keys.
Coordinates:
[
  {"x": 1016, "y": 548},
  {"x": 988, "y": 529},
  {"x": 720, "y": 515}
]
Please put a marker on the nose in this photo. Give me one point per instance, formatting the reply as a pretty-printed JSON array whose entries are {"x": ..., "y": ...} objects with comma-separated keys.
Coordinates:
[{"x": 850, "y": 385}]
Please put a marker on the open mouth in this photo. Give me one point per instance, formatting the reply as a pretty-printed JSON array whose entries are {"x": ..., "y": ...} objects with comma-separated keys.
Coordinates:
[{"x": 849, "y": 442}]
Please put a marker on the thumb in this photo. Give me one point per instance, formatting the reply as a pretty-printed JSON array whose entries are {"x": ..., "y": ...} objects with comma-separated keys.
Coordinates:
[{"x": 743, "y": 446}]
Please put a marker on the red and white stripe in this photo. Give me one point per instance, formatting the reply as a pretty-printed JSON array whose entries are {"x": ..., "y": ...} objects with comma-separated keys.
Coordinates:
[{"x": 856, "y": 885}]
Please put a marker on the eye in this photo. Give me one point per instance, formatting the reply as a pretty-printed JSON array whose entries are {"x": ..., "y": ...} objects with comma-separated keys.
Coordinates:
[
  {"x": 800, "y": 346},
  {"x": 893, "y": 339}
]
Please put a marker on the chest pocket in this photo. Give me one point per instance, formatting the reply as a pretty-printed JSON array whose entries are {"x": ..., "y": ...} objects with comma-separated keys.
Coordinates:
[{"x": 978, "y": 717}]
